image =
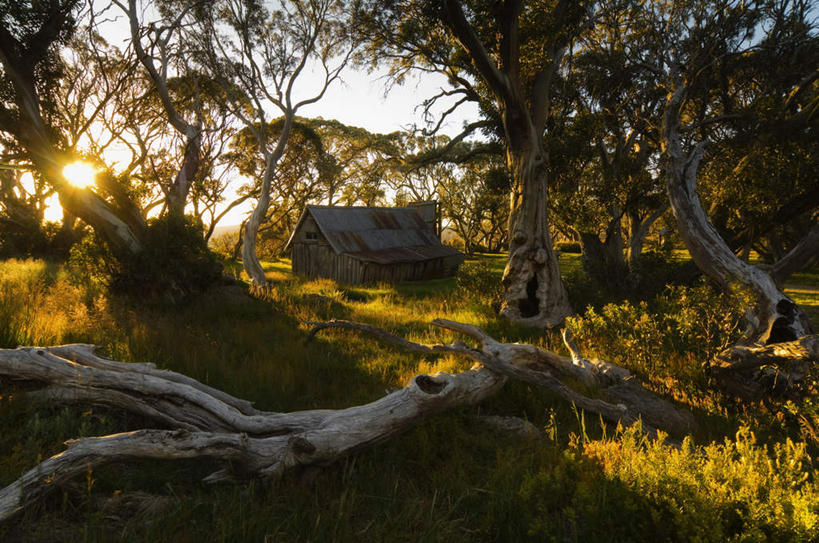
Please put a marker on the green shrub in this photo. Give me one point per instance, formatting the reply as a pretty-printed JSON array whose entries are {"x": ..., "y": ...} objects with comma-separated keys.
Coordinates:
[
  {"x": 701, "y": 320},
  {"x": 683, "y": 320},
  {"x": 739, "y": 490},
  {"x": 572, "y": 247},
  {"x": 628, "y": 488},
  {"x": 175, "y": 262},
  {"x": 477, "y": 281},
  {"x": 626, "y": 334}
]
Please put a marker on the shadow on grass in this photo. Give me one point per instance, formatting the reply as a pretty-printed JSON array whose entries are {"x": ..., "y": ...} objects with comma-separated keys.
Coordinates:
[{"x": 449, "y": 479}]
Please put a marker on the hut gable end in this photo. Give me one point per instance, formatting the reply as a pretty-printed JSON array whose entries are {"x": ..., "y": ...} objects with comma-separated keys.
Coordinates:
[{"x": 367, "y": 244}]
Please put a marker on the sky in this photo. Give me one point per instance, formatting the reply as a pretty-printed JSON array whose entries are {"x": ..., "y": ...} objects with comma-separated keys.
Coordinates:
[{"x": 359, "y": 99}]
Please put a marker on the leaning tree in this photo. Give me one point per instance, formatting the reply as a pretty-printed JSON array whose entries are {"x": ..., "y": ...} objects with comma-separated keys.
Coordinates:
[
  {"x": 699, "y": 54},
  {"x": 262, "y": 53},
  {"x": 690, "y": 49},
  {"x": 31, "y": 35}
]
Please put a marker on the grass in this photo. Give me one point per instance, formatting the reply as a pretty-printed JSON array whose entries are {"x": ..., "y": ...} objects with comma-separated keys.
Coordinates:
[
  {"x": 803, "y": 288},
  {"x": 450, "y": 478}
]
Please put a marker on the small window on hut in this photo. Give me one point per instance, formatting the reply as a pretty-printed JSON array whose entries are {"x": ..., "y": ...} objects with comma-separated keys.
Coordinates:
[{"x": 311, "y": 235}]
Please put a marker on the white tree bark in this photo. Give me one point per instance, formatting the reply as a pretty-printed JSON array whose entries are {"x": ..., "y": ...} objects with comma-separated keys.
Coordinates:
[
  {"x": 250, "y": 259},
  {"x": 293, "y": 439},
  {"x": 209, "y": 423},
  {"x": 776, "y": 318}
]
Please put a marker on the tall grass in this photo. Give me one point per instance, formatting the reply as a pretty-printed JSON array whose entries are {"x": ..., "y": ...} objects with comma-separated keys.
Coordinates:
[{"x": 450, "y": 478}]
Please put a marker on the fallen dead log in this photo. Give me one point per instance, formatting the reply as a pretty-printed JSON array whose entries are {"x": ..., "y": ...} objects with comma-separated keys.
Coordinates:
[
  {"x": 208, "y": 423},
  {"x": 333, "y": 436},
  {"x": 755, "y": 371},
  {"x": 624, "y": 400}
]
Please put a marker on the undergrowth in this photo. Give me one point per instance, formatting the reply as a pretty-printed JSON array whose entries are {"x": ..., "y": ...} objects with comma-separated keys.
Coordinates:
[{"x": 450, "y": 478}]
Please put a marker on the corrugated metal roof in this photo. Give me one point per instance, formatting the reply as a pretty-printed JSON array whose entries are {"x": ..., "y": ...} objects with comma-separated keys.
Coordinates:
[
  {"x": 377, "y": 234},
  {"x": 398, "y": 255}
]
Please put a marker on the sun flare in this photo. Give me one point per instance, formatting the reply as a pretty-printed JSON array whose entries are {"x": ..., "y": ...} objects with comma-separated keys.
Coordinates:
[{"x": 80, "y": 174}]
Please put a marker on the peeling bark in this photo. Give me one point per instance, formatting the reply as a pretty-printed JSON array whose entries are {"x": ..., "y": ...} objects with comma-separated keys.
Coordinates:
[
  {"x": 535, "y": 294},
  {"x": 209, "y": 423},
  {"x": 534, "y": 291}
]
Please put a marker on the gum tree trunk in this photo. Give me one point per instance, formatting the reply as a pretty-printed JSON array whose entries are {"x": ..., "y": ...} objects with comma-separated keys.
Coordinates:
[
  {"x": 535, "y": 294},
  {"x": 250, "y": 259},
  {"x": 604, "y": 260},
  {"x": 176, "y": 193},
  {"x": 177, "y": 196},
  {"x": 638, "y": 229},
  {"x": 776, "y": 318}
]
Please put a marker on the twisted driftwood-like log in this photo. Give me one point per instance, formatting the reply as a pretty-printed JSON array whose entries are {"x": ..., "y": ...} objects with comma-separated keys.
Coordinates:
[
  {"x": 627, "y": 402},
  {"x": 754, "y": 371},
  {"x": 206, "y": 422}
]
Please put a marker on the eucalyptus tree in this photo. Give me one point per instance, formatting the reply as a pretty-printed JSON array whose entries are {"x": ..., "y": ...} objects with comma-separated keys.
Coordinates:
[
  {"x": 31, "y": 34},
  {"x": 359, "y": 160},
  {"x": 697, "y": 51},
  {"x": 265, "y": 50},
  {"x": 505, "y": 56},
  {"x": 762, "y": 193},
  {"x": 303, "y": 176},
  {"x": 163, "y": 47},
  {"x": 607, "y": 184},
  {"x": 474, "y": 203}
]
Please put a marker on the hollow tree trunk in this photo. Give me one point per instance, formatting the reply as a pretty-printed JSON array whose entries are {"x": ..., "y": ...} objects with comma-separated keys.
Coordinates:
[{"x": 535, "y": 294}]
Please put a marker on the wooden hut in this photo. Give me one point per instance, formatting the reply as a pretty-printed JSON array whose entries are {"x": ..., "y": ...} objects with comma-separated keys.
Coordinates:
[{"x": 371, "y": 244}]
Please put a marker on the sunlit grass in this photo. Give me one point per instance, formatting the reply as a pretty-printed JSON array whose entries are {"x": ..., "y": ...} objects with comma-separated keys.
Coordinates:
[{"x": 450, "y": 478}]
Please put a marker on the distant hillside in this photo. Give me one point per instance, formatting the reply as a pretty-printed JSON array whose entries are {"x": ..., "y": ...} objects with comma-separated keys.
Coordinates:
[{"x": 220, "y": 231}]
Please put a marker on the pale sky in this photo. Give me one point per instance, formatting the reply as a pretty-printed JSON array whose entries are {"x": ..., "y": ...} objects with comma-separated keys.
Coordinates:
[{"x": 358, "y": 100}]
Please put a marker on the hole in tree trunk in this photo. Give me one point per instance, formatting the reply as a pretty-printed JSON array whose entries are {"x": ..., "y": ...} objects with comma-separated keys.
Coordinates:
[
  {"x": 428, "y": 384},
  {"x": 782, "y": 329},
  {"x": 529, "y": 306}
]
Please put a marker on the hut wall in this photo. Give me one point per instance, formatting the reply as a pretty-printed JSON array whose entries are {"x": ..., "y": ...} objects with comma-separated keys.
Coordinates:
[
  {"x": 317, "y": 259},
  {"x": 312, "y": 258},
  {"x": 409, "y": 271}
]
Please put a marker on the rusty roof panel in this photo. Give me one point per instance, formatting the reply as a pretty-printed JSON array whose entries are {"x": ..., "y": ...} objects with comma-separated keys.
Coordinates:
[
  {"x": 405, "y": 254},
  {"x": 368, "y": 229}
]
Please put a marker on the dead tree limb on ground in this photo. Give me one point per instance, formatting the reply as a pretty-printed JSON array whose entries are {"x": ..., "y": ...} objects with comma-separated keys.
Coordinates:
[
  {"x": 755, "y": 371},
  {"x": 208, "y": 423}
]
